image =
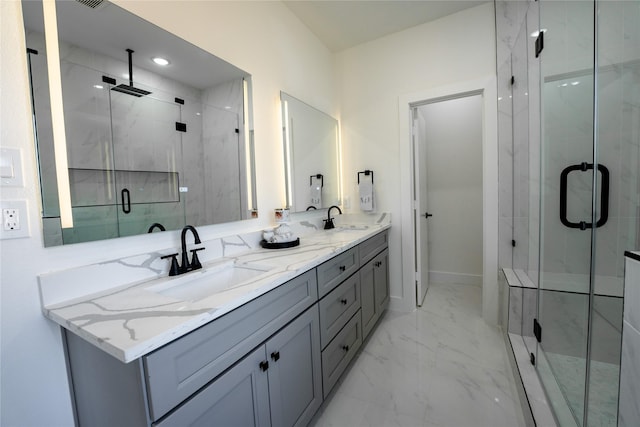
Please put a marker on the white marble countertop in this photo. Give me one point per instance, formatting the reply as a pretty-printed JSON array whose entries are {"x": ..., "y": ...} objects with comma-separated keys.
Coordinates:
[{"x": 130, "y": 320}]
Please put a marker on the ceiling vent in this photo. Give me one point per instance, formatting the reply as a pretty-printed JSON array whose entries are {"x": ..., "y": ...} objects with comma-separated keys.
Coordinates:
[{"x": 91, "y": 3}]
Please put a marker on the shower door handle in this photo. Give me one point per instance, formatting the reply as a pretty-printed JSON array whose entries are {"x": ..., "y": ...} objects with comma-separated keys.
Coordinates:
[
  {"x": 126, "y": 200},
  {"x": 604, "y": 196}
]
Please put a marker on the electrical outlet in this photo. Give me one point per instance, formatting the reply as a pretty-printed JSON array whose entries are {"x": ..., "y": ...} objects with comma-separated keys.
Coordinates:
[
  {"x": 15, "y": 219},
  {"x": 11, "y": 219}
]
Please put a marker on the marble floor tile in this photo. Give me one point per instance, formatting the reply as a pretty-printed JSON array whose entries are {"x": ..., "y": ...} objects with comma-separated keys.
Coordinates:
[{"x": 438, "y": 366}]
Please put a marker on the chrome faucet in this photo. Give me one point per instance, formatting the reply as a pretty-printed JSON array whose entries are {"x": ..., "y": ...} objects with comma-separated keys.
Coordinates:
[
  {"x": 186, "y": 266},
  {"x": 328, "y": 223}
]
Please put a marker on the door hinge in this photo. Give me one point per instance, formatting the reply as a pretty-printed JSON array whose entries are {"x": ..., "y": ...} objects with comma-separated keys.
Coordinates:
[
  {"x": 179, "y": 101},
  {"x": 532, "y": 359},
  {"x": 539, "y": 43},
  {"x": 181, "y": 127},
  {"x": 537, "y": 330},
  {"x": 513, "y": 80},
  {"x": 513, "y": 243}
]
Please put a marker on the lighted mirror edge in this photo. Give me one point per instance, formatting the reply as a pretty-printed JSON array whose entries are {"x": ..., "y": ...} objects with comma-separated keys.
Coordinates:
[{"x": 57, "y": 112}]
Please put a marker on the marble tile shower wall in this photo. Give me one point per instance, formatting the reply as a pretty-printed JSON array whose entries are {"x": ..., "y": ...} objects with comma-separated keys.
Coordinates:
[
  {"x": 224, "y": 154},
  {"x": 91, "y": 137}
]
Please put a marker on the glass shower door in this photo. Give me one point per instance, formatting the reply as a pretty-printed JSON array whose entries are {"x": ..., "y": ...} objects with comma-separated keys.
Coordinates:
[
  {"x": 566, "y": 235},
  {"x": 147, "y": 153}
]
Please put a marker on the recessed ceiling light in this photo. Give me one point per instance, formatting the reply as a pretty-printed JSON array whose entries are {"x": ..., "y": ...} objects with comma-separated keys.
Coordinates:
[
  {"x": 160, "y": 61},
  {"x": 98, "y": 86},
  {"x": 575, "y": 83}
]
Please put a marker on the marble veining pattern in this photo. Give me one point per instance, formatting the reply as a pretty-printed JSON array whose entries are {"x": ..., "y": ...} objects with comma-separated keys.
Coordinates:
[
  {"x": 439, "y": 365},
  {"x": 110, "y": 304}
]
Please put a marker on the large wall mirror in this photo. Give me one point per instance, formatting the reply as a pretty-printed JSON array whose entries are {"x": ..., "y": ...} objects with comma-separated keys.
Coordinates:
[
  {"x": 312, "y": 159},
  {"x": 157, "y": 132}
]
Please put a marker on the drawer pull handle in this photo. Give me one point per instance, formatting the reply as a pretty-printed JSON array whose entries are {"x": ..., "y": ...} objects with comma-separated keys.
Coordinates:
[
  {"x": 264, "y": 365},
  {"x": 344, "y": 301},
  {"x": 275, "y": 356},
  {"x": 343, "y": 268},
  {"x": 345, "y": 348}
]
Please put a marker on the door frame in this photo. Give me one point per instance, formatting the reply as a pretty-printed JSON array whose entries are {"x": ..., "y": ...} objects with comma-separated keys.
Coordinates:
[{"x": 485, "y": 87}]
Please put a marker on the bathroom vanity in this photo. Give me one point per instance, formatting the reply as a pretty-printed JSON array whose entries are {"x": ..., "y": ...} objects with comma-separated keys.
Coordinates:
[{"x": 267, "y": 355}]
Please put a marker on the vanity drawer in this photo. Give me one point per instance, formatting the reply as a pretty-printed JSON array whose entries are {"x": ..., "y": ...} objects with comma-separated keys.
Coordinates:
[
  {"x": 334, "y": 271},
  {"x": 339, "y": 352},
  {"x": 372, "y": 246},
  {"x": 337, "y": 307},
  {"x": 179, "y": 369}
]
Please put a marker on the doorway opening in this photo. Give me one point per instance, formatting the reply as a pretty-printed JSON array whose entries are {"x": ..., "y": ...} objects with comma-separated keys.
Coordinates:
[
  {"x": 447, "y": 168},
  {"x": 485, "y": 91}
]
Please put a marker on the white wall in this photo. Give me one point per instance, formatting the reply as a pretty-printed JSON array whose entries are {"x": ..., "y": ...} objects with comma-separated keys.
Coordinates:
[
  {"x": 374, "y": 75},
  {"x": 263, "y": 38},
  {"x": 453, "y": 140}
]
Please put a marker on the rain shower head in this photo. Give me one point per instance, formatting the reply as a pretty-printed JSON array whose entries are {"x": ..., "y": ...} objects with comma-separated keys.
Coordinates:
[{"x": 130, "y": 89}]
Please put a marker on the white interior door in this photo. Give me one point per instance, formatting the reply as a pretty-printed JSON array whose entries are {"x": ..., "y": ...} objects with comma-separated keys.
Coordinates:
[{"x": 421, "y": 213}]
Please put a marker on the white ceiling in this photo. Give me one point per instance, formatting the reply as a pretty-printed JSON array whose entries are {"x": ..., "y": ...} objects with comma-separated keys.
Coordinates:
[{"x": 341, "y": 24}]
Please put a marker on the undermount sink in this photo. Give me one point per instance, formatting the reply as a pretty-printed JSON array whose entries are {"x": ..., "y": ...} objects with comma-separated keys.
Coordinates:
[{"x": 200, "y": 284}]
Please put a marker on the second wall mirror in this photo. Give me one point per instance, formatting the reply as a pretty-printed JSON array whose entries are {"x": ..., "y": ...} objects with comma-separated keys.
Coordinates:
[{"x": 312, "y": 156}]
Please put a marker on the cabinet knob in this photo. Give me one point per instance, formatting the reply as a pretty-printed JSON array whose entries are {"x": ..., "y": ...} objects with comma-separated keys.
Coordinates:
[
  {"x": 345, "y": 348},
  {"x": 264, "y": 365},
  {"x": 344, "y": 301},
  {"x": 343, "y": 268},
  {"x": 275, "y": 356}
]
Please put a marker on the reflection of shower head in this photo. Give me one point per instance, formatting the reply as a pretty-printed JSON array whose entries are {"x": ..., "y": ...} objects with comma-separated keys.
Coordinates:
[{"x": 130, "y": 89}]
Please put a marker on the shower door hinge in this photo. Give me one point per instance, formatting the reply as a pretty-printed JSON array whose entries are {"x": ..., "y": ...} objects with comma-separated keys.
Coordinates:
[
  {"x": 181, "y": 127},
  {"x": 237, "y": 130},
  {"x": 539, "y": 43},
  {"x": 179, "y": 101},
  {"x": 513, "y": 80},
  {"x": 532, "y": 359},
  {"x": 108, "y": 80},
  {"x": 513, "y": 243},
  {"x": 29, "y": 50},
  {"x": 537, "y": 330}
]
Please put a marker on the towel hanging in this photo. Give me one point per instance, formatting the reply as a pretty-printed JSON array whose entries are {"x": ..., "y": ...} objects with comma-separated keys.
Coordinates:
[
  {"x": 365, "y": 191},
  {"x": 315, "y": 190}
]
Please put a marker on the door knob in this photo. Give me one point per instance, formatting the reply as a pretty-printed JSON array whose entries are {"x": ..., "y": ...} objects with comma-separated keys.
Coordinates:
[{"x": 427, "y": 215}]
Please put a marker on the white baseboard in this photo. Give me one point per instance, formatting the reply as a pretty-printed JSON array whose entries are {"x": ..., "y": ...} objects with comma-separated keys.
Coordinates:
[{"x": 457, "y": 278}]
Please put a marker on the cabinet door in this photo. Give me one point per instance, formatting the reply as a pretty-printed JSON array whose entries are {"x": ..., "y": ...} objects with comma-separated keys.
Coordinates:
[
  {"x": 381, "y": 280},
  {"x": 239, "y": 397},
  {"x": 295, "y": 388},
  {"x": 368, "y": 298}
]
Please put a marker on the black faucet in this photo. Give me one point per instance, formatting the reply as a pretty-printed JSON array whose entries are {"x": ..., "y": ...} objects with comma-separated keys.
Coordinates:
[
  {"x": 195, "y": 262},
  {"x": 328, "y": 223},
  {"x": 156, "y": 225},
  {"x": 186, "y": 266}
]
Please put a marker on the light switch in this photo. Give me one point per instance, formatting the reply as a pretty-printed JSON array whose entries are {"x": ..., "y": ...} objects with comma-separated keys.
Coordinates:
[{"x": 11, "y": 167}]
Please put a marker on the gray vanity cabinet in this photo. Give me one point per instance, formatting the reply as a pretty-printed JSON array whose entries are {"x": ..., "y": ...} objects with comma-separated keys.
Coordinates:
[
  {"x": 240, "y": 397},
  {"x": 374, "y": 290},
  {"x": 271, "y": 361},
  {"x": 277, "y": 384}
]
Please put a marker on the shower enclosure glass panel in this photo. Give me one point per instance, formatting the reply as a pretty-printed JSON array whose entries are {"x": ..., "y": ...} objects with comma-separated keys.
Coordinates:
[
  {"x": 565, "y": 254},
  {"x": 147, "y": 155},
  {"x": 590, "y": 87}
]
